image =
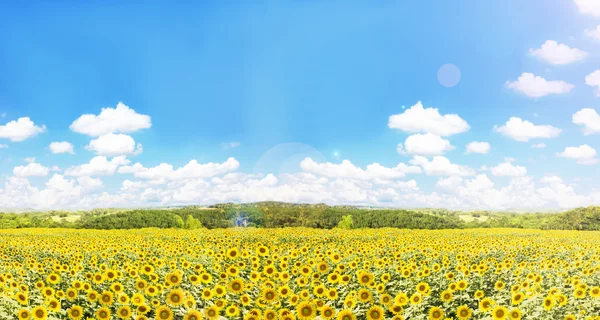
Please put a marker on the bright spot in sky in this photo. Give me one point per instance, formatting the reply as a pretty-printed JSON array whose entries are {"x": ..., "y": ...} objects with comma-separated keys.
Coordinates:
[{"x": 448, "y": 75}]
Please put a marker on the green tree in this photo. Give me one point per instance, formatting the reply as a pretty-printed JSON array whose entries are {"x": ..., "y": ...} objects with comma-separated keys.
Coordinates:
[
  {"x": 192, "y": 223},
  {"x": 346, "y": 222}
]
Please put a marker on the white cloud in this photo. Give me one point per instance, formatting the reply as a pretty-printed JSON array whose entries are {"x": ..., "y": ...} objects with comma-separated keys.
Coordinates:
[
  {"x": 192, "y": 170},
  {"x": 111, "y": 120},
  {"x": 31, "y": 170},
  {"x": 427, "y": 144},
  {"x": 347, "y": 170},
  {"x": 449, "y": 183},
  {"x": 428, "y": 120},
  {"x": 523, "y": 130},
  {"x": 590, "y": 7},
  {"x": 114, "y": 145},
  {"x": 593, "y": 80},
  {"x": 90, "y": 184},
  {"x": 453, "y": 192},
  {"x": 535, "y": 86},
  {"x": 61, "y": 147},
  {"x": 589, "y": 119},
  {"x": 558, "y": 53},
  {"x": 3, "y": 146},
  {"x": 441, "y": 166},
  {"x": 551, "y": 179},
  {"x": 98, "y": 166},
  {"x": 593, "y": 33},
  {"x": 478, "y": 147},
  {"x": 506, "y": 169},
  {"x": 20, "y": 130},
  {"x": 538, "y": 145},
  {"x": 584, "y": 154},
  {"x": 230, "y": 145},
  {"x": 29, "y": 159}
]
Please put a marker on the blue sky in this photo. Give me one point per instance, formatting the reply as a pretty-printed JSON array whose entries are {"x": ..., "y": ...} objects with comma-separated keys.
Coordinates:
[{"x": 272, "y": 83}]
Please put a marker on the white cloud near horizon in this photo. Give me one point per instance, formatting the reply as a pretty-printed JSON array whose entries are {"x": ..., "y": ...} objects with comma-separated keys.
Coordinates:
[{"x": 536, "y": 87}]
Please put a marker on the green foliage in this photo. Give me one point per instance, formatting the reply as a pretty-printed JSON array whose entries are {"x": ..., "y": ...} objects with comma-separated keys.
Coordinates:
[
  {"x": 346, "y": 222},
  {"x": 192, "y": 223},
  {"x": 279, "y": 215}
]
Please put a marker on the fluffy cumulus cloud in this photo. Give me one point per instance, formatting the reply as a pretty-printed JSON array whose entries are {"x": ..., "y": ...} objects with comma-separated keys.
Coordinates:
[
  {"x": 317, "y": 182},
  {"x": 20, "y": 130},
  {"x": 61, "y": 147},
  {"x": 121, "y": 119},
  {"x": 32, "y": 169},
  {"x": 536, "y": 87},
  {"x": 589, "y": 119},
  {"x": 589, "y": 7},
  {"x": 538, "y": 145},
  {"x": 558, "y": 53},
  {"x": 192, "y": 170},
  {"x": 441, "y": 166},
  {"x": 111, "y": 145},
  {"x": 478, "y": 147},
  {"x": 507, "y": 169},
  {"x": 418, "y": 119},
  {"x": 523, "y": 130},
  {"x": 593, "y": 33},
  {"x": 427, "y": 144},
  {"x": 584, "y": 154},
  {"x": 98, "y": 166},
  {"x": 593, "y": 80},
  {"x": 347, "y": 170}
]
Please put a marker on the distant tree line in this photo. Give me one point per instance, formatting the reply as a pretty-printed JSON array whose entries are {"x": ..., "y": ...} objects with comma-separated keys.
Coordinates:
[{"x": 279, "y": 215}]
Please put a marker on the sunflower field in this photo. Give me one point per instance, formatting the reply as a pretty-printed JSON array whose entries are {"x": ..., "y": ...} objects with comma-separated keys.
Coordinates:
[{"x": 299, "y": 273}]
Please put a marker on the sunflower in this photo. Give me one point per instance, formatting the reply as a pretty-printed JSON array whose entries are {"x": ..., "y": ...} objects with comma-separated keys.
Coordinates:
[
  {"x": 39, "y": 313},
  {"x": 48, "y": 292},
  {"x": 175, "y": 298},
  {"x": 327, "y": 313},
  {"x": 579, "y": 293},
  {"x": 499, "y": 313},
  {"x": 269, "y": 295},
  {"x": 415, "y": 298},
  {"x": 305, "y": 310},
  {"x": 232, "y": 311},
  {"x": 106, "y": 298},
  {"x": 142, "y": 309},
  {"x": 364, "y": 295},
  {"x": 514, "y": 314},
  {"x": 422, "y": 288},
  {"x": 236, "y": 286},
  {"x": 103, "y": 313},
  {"x": 192, "y": 314},
  {"x": 163, "y": 313},
  {"x": 517, "y": 298},
  {"x": 92, "y": 296},
  {"x": 401, "y": 299},
  {"x": 220, "y": 290},
  {"x": 23, "y": 314},
  {"x": 22, "y": 298},
  {"x": 212, "y": 312},
  {"x": 486, "y": 304},
  {"x": 346, "y": 315},
  {"x": 124, "y": 312},
  {"x": 463, "y": 312},
  {"x": 173, "y": 278},
  {"x": 446, "y": 296},
  {"x": 595, "y": 292},
  {"x": 53, "y": 278},
  {"x": 375, "y": 313},
  {"x": 386, "y": 300},
  {"x": 53, "y": 305},
  {"x": 548, "y": 303}
]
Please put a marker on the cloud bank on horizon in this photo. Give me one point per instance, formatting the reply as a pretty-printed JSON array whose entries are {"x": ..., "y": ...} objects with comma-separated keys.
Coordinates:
[{"x": 536, "y": 149}]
